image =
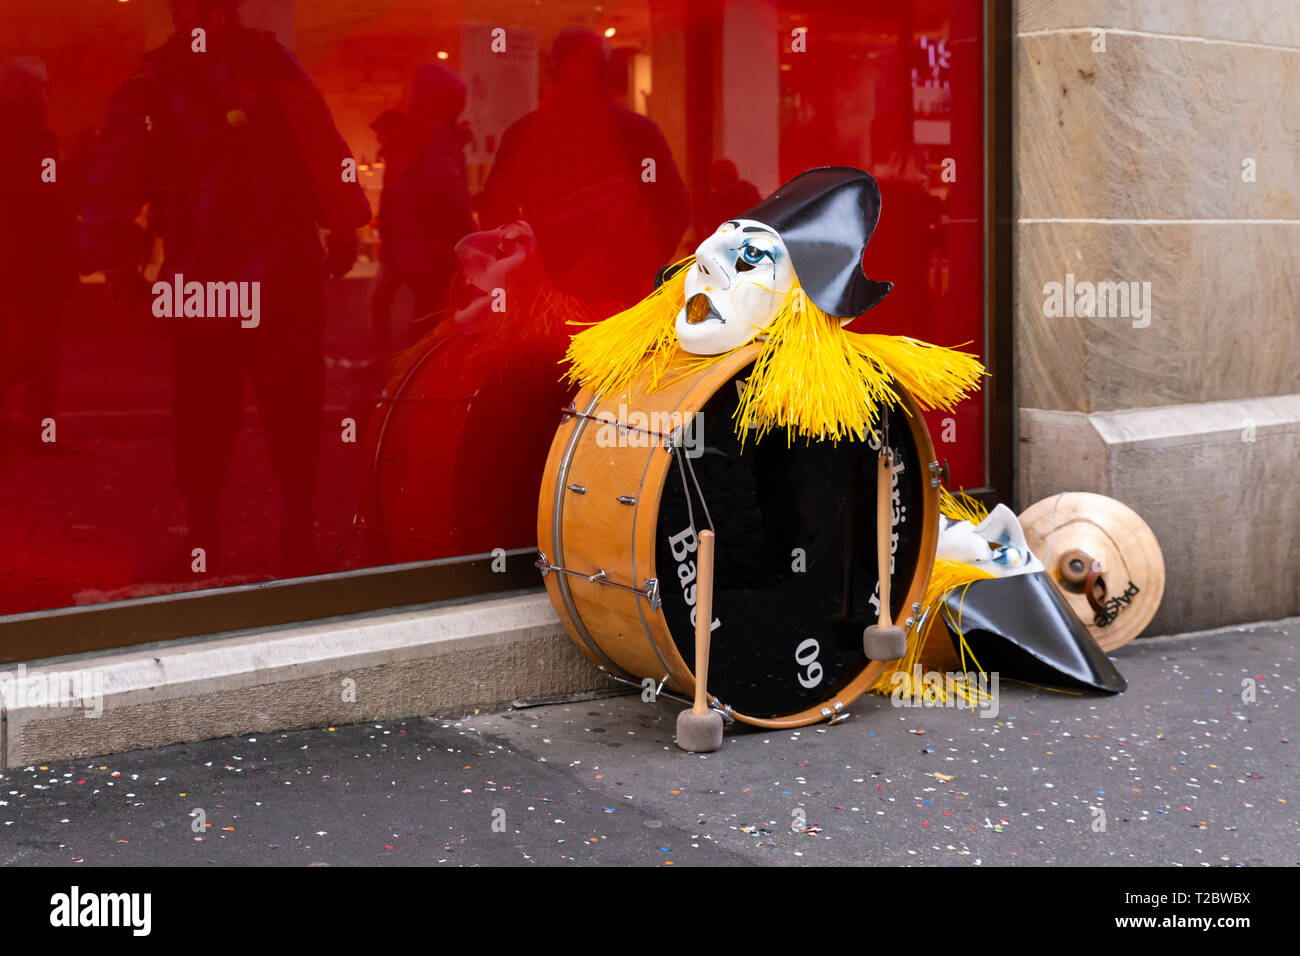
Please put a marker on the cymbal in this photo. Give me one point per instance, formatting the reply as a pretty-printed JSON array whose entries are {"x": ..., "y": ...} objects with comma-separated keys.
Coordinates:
[{"x": 1126, "y": 581}]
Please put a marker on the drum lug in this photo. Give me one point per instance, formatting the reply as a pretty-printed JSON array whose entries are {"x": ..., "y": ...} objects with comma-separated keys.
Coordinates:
[
  {"x": 626, "y": 500},
  {"x": 542, "y": 563},
  {"x": 567, "y": 412},
  {"x": 940, "y": 473},
  {"x": 916, "y": 609},
  {"x": 723, "y": 709},
  {"x": 651, "y": 588},
  {"x": 834, "y": 716},
  {"x": 599, "y": 577},
  {"x": 578, "y": 489}
]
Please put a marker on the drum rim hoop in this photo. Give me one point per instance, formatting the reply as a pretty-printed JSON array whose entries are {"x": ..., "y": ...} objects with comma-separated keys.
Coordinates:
[{"x": 655, "y": 624}]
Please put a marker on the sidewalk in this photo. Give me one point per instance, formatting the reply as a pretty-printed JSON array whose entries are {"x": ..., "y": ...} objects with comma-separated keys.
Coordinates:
[{"x": 1185, "y": 772}]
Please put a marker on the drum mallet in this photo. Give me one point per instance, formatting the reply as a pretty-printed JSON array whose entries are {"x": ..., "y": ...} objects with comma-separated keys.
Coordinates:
[
  {"x": 884, "y": 641},
  {"x": 699, "y": 729}
]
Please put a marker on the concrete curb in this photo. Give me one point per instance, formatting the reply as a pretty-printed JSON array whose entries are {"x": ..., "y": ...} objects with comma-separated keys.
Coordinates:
[{"x": 377, "y": 666}]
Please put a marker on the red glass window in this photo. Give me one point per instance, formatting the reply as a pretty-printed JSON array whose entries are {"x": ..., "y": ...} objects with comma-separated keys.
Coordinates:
[{"x": 515, "y": 167}]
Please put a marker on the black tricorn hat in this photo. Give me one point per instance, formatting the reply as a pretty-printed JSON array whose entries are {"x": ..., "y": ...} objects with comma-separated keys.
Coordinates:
[
  {"x": 1021, "y": 627},
  {"x": 825, "y": 217}
]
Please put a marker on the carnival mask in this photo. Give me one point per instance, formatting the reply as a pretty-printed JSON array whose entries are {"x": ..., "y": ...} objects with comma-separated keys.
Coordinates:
[
  {"x": 487, "y": 259},
  {"x": 996, "y": 545},
  {"x": 741, "y": 276}
]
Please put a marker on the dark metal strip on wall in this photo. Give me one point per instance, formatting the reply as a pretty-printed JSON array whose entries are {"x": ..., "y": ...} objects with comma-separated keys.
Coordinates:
[
  {"x": 1002, "y": 458},
  {"x": 1002, "y": 452},
  {"x": 77, "y": 630}
]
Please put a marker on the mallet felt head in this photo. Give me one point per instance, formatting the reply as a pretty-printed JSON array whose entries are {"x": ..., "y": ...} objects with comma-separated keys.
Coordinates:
[
  {"x": 884, "y": 643},
  {"x": 699, "y": 733}
]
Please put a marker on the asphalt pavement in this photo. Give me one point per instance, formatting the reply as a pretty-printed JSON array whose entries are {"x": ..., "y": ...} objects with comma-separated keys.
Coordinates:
[{"x": 1193, "y": 766}]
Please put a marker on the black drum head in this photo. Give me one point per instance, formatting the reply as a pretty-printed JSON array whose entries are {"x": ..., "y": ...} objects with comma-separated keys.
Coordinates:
[{"x": 795, "y": 578}]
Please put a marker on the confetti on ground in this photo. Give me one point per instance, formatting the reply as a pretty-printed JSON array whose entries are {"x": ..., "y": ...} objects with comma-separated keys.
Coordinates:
[{"x": 1183, "y": 778}]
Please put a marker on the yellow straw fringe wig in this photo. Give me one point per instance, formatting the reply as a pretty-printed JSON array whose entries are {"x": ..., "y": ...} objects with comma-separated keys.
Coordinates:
[
  {"x": 948, "y": 575},
  {"x": 608, "y": 355},
  {"x": 961, "y": 507},
  {"x": 813, "y": 378}
]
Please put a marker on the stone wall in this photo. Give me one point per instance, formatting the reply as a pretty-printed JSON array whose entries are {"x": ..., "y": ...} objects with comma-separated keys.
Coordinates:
[{"x": 1158, "y": 142}]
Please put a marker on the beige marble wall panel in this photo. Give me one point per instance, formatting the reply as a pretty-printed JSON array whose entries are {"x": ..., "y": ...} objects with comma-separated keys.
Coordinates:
[
  {"x": 1214, "y": 481},
  {"x": 1224, "y": 315},
  {"x": 1156, "y": 128}
]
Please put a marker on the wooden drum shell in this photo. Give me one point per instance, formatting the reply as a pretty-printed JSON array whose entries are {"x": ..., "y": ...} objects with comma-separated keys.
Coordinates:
[{"x": 591, "y": 530}]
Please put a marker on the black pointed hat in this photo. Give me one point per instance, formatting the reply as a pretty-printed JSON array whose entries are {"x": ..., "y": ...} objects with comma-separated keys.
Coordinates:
[
  {"x": 1021, "y": 627},
  {"x": 825, "y": 218}
]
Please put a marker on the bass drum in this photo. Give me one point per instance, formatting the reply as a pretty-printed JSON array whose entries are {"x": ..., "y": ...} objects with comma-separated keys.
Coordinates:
[
  {"x": 432, "y": 484},
  {"x": 626, "y": 491}
]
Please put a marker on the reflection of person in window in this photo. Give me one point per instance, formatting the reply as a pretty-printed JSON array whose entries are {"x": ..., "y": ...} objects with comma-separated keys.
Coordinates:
[
  {"x": 596, "y": 182},
  {"x": 424, "y": 208},
  {"x": 36, "y": 249},
  {"x": 238, "y": 158},
  {"x": 728, "y": 197}
]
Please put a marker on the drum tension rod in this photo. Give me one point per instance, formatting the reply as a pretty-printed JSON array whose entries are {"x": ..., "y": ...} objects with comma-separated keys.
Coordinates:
[
  {"x": 715, "y": 704},
  {"x": 571, "y": 411},
  {"x": 649, "y": 588}
]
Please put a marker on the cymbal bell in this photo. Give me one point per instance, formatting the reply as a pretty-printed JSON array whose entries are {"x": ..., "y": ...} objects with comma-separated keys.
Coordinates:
[{"x": 1104, "y": 559}]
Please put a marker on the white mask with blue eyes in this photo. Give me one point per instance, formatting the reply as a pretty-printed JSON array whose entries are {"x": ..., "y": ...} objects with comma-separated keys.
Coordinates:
[
  {"x": 997, "y": 544},
  {"x": 741, "y": 276}
]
